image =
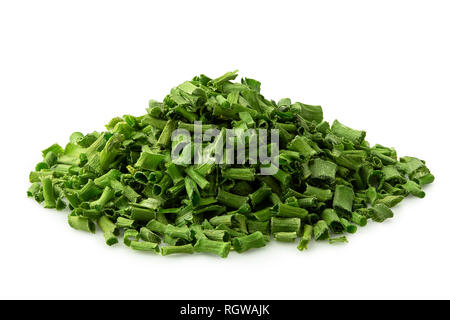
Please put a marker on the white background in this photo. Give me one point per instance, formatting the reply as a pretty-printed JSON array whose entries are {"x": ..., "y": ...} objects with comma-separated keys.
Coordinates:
[{"x": 381, "y": 66}]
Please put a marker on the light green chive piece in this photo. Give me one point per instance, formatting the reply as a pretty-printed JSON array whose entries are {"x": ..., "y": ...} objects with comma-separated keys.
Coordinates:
[
  {"x": 254, "y": 240},
  {"x": 219, "y": 248},
  {"x": 187, "y": 248},
  {"x": 306, "y": 237}
]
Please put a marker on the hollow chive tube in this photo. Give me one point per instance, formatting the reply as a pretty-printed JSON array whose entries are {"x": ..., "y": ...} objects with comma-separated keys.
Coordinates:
[
  {"x": 187, "y": 248},
  {"x": 343, "y": 200},
  {"x": 122, "y": 222},
  {"x": 254, "y": 240},
  {"x": 306, "y": 237},
  {"x": 219, "y": 248},
  {"x": 413, "y": 188},
  {"x": 33, "y": 189},
  {"x": 38, "y": 197},
  {"x": 142, "y": 214},
  {"x": 107, "y": 195},
  {"x": 155, "y": 176},
  {"x": 49, "y": 195},
  {"x": 197, "y": 178},
  {"x": 332, "y": 219},
  {"x": 231, "y": 200},
  {"x": 359, "y": 219},
  {"x": 110, "y": 231},
  {"x": 156, "y": 226},
  {"x": 160, "y": 187},
  {"x": 287, "y": 211},
  {"x": 308, "y": 202},
  {"x": 284, "y": 225},
  {"x": 253, "y": 226},
  {"x": 259, "y": 195},
  {"x": 217, "y": 235},
  {"x": 81, "y": 223},
  {"x": 130, "y": 235},
  {"x": 147, "y": 235},
  {"x": 285, "y": 236},
  {"x": 144, "y": 246},
  {"x": 178, "y": 232},
  {"x": 350, "y": 228},
  {"x": 246, "y": 174},
  {"x": 321, "y": 230}
]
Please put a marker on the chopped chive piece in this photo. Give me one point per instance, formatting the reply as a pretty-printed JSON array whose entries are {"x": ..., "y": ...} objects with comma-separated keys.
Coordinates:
[
  {"x": 306, "y": 237},
  {"x": 332, "y": 220},
  {"x": 187, "y": 248},
  {"x": 144, "y": 246},
  {"x": 199, "y": 179},
  {"x": 354, "y": 136},
  {"x": 254, "y": 240},
  {"x": 246, "y": 174},
  {"x": 178, "y": 232},
  {"x": 231, "y": 200},
  {"x": 49, "y": 196},
  {"x": 157, "y": 227},
  {"x": 287, "y": 211},
  {"x": 147, "y": 235},
  {"x": 343, "y": 199},
  {"x": 321, "y": 230},
  {"x": 380, "y": 212},
  {"x": 219, "y": 248},
  {"x": 360, "y": 220},
  {"x": 414, "y": 189},
  {"x": 338, "y": 240},
  {"x": 81, "y": 223},
  {"x": 285, "y": 225},
  {"x": 323, "y": 170},
  {"x": 285, "y": 236},
  {"x": 130, "y": 235},
  {"x": 350, "y": 228}
]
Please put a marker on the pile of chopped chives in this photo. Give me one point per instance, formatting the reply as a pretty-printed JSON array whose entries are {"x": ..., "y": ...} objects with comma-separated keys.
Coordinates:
[{"x": 329, "y": 181}]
